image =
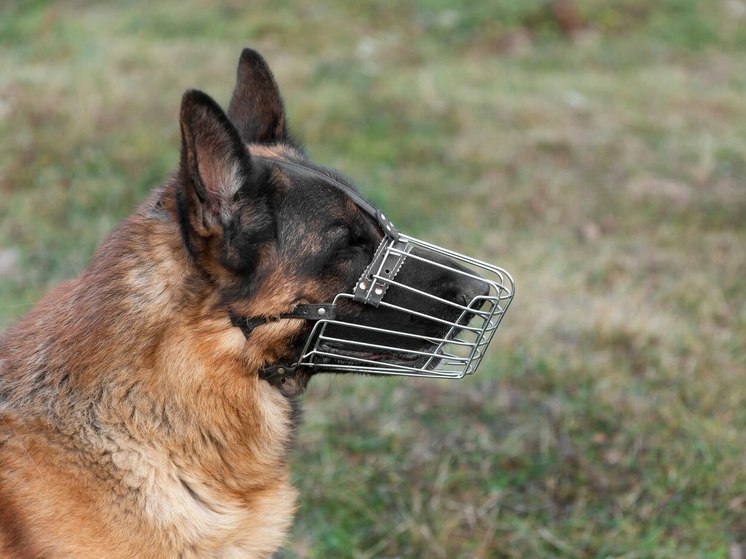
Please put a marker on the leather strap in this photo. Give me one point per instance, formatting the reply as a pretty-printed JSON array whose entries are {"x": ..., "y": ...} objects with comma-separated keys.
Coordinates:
[
  {"x": 275, "y": 374},
  {"x": 306, "y": 312},
  {"x": 375, "y": 280}
]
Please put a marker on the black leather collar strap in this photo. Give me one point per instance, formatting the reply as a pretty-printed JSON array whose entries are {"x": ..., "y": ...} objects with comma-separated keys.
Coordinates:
[{"x": 306, "y": 312}]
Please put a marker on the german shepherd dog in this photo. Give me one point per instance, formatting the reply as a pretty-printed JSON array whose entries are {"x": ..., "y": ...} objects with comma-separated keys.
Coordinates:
[{"x": 134, "y": 421}]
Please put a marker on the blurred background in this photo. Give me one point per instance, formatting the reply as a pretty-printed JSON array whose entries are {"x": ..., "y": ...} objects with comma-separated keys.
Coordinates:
[{"x": 595, "y": 149}]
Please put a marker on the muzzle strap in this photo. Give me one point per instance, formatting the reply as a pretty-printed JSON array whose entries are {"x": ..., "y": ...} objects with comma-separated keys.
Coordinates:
[
  {"x": 307, "y": 312},
  {"x": 276, "y": 374},
  {"x": 375, "y": 280}
]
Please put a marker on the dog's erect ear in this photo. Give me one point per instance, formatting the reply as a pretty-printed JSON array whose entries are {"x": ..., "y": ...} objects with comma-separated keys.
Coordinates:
[
  {"x": 256, "y": 107},
  {"x": 214, "y": 162}
]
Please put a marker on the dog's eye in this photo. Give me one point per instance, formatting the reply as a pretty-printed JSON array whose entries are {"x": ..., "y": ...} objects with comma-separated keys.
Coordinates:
[
  {"x": 344, "y": 240},
  {"x": 347, "y": 239},
  {"x": 341, "y": 238},
  {"x": 357, "y": 239}
]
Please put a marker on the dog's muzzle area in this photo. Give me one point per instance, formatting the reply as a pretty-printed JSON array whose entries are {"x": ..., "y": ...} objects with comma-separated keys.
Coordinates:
[{"x": 417, "y": 310}]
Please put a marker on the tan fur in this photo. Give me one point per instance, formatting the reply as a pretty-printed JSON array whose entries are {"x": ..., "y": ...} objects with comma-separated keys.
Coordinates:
[
  {"x": 182, "y": 454},
  {"x": 273, "y": 152}
]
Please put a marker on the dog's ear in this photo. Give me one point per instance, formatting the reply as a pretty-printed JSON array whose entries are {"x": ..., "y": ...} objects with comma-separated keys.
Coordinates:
[
  {"x": 256, "y": 107},
  {"x": 214, "y": 162}
]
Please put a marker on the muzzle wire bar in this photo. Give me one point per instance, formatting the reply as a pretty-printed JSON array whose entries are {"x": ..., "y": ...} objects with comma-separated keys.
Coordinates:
[{"x": 450, "y": 338}]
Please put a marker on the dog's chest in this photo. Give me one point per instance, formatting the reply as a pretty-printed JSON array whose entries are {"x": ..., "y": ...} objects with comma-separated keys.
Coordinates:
[{"x": 201, "y": 517}]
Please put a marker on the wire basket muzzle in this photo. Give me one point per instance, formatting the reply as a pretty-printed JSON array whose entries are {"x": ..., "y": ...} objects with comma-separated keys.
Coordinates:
[{"x": 428, "y": 312}]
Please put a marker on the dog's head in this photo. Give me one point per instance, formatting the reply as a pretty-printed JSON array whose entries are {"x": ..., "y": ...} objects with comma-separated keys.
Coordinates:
[{"x": 272, "y": 231}]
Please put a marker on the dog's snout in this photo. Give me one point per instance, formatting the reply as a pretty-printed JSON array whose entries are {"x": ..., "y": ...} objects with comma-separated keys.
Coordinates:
[
  {"x": 461, "y": 289},
  {"x": 468, "y": 289},
  {"x": 472, "y": 288}
]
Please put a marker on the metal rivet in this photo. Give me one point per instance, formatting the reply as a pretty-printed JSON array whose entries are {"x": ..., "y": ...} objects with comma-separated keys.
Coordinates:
[
  {"x": 383, "y": 217},
  {"x": 363, "y": 286},
  {"x": 281, "y": 370},
  {"x": 322, "y": 311},
  {"x": 379, "y": 291}
]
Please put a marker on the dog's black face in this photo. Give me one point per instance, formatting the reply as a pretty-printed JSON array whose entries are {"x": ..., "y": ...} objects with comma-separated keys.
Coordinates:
[{"x": 273, "y": 231}]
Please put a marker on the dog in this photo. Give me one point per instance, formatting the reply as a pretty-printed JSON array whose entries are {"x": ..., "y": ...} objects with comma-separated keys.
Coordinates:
[{"x": 135, "y": 418}]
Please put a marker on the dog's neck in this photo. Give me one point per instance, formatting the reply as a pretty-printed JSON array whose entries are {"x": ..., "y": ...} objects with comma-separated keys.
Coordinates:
[{"x": 183, "y": 355}]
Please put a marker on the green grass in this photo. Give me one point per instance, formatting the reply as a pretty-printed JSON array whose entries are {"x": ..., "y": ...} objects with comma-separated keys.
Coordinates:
[{"x": 604, "y": 166}]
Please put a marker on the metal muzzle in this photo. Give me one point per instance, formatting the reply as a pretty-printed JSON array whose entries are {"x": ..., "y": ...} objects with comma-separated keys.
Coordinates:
[
  {"x": 451, "y": 337},
  {"x": 429, "y": 335}
]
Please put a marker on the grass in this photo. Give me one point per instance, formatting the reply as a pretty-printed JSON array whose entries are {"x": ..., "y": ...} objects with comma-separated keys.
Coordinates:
[{"x": 602, "y": 163}]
